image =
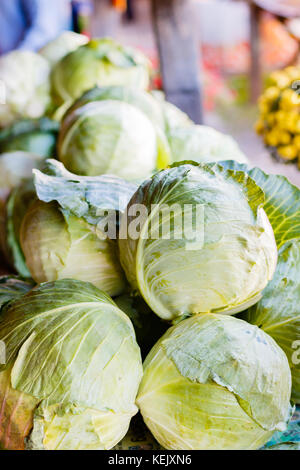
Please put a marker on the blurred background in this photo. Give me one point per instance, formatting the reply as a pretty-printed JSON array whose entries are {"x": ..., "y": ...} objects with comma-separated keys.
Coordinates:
[{"x": 211, "y": 57}]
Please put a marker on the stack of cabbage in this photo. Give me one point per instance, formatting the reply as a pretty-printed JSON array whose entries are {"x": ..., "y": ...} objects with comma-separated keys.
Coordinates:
[{"x": 180, "y": 246}]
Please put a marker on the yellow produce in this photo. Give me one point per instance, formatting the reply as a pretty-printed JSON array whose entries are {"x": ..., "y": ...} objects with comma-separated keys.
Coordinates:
[{"x": 279, "y": 120}]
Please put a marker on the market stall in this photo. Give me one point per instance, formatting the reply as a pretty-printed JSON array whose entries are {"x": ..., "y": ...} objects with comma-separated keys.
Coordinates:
[{"x": 151, "y": 267}]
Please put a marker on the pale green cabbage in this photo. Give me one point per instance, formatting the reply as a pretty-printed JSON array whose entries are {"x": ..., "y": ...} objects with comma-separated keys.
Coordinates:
[
  {"x": 24, "y": 78},
  {"x": 219, "y": 262},
  {"x": 101, "y": 62},
  {"x": 203, "y": 144},
  {"x": 108, "y": 137},
  {"x": 142, "y": 100},
  {"x": 215, "y": 382},
  {"x": 73, "y": 369},
  {"x": 278, "y": 312}
]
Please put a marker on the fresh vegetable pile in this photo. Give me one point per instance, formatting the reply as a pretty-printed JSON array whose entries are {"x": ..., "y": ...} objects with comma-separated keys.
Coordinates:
[
  {"x": 142, "y": 237},
  {"x": 279, "y": 121}
]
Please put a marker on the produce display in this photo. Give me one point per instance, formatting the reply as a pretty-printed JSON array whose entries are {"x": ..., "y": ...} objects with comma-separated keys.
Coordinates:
[
  {"x": 279, "y": 121},
  {"x": 155, "y": 297}
]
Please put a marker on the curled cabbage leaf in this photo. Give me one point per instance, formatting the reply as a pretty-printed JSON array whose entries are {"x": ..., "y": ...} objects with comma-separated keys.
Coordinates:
[
  {"x": 215, "y": 382},
  {"x": 278, "y": 312},
  {"x": 203, "y": 144},
  {"x": 24, "y": 78},
  {"x": 72, "y": 370},
  {"x": 195, "y": 239},
  {"x": 61, "y": 234}
]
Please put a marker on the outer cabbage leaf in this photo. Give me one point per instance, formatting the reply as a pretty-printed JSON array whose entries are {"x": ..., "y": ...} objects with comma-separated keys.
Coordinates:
[
  {"x": 215, "y": 382},
  {"x": 25, "y": 78},
  {"x": 219, "y": 260},
  {"x": 71, "y": 231},
  {"x": 173, "y": 116},
  {"x": 278, "y": 312},
  {"x": 203, "y": 144},
  {"x": 57, "y": 245},
  {"x": 74, "y": 352},
  {"x": 282, "y": 201},
  {"x": 13, "y": 214},
  {"x": 82, "y": 196}
]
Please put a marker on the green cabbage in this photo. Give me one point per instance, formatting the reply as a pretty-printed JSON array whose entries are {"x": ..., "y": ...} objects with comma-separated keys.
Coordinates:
[
  {"x": 24, "y": 78},
  {"x": 278, "y": 312},
  {"x": 34, "y": 136},
  {"x": 215, "y": 382},
  {"x": 61, "y": 236},
  {"x": 67, "y": 42},
  {"x": 101, "y": 62},
  {"x": 142, "y": 100},
  {"x": 282, "y": 201},
  {"x": 203, "y": 144},
  {"x": 108, "y": 137},
  {"x": 72, "y": 372},
  {"x": 205, "y": 243}
]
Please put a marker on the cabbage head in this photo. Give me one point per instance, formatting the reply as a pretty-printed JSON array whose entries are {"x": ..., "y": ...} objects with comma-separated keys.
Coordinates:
[
  {"x": 65, "y": 43},
  {"x": 202, "y": 243},
  {"x": 203, "y": 144},
  {"x": 24, "y": 76},
  {"x": 34, "y": 136},
  {"x": 102, "y": 62},
  {"x": 108, "y": 137},
  {"x": 72, "y": 369},
  {"x": 215, "y": 382},
  {"x": 278, "y": 312},
  {"x": 61, "y": 236},
  {"x": 143, "y": 101}
]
